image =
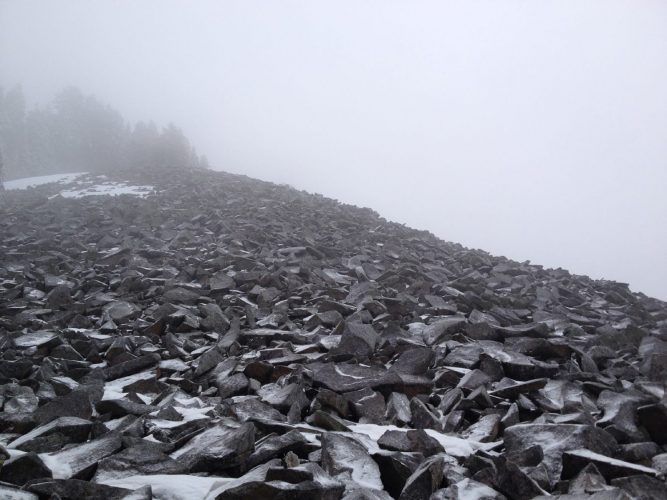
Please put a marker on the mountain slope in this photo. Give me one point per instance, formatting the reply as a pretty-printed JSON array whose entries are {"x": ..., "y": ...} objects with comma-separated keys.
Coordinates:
[{"x": 230, "y": 327}]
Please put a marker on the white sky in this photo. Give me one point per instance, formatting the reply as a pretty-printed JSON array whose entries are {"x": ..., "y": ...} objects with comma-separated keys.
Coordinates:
[{"x": 531, "y": 129}]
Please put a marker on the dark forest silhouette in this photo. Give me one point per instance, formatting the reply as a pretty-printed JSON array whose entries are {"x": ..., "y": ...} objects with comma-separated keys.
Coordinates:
[{"x": 76, "y": 132}]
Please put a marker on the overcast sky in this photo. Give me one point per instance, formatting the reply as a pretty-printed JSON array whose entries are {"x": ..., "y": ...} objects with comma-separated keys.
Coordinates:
[{"x": 531, "y": 129}]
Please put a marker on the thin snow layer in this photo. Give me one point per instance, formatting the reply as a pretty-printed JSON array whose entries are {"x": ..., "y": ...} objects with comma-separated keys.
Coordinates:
[
  {"x": 59, "y": 467},
  {"x": 27, "y": 182},
  {"x": 15, "y": 453},
  {"x": 591, "y": 455},
  {"x": 171, "y": 487},
  {"x": 108, "y": 188},
  {"x": 373, "y": 431},
  {"x": 114, "y": 389},
  {"x": 455, "y": 446},
  {"x": 468, "y": 489},
  {"x": 365, "y": 472},
  {"x": 189, "y": 408},
  {"x": 340, "y": 371}
]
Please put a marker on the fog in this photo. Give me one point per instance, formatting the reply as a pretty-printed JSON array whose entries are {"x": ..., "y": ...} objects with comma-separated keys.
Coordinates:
[{"x": 535, "y": 130}]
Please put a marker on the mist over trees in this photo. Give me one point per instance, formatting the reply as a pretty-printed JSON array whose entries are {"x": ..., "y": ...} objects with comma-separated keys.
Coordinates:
[
  {"x": 2, "y": 171},
  {"x": 76, "y": 132}
]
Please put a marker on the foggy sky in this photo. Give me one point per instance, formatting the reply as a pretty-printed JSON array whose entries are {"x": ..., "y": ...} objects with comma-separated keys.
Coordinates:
[{"x": 531, "y": 129}]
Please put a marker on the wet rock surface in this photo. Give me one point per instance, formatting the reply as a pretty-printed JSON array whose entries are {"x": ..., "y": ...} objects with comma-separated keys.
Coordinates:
[{"x": 226, "y": 338}]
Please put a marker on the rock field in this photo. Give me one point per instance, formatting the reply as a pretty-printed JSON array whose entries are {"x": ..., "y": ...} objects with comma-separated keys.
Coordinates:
[{"x": 227, "y": 338}]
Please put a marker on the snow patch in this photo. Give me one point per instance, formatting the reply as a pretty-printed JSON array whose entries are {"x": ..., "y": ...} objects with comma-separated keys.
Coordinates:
[
  {"x": 109, "y": 188},
  {"x": 455, "y": 446},
  {"x": 80, "y": 184},
  {"x": 114, "y": 389},
  {"x": 171, "y": 487},
  {"x": 27, "y": 182},
  {"x": 374, "y": 431},
  {"x": 14, "y": 453},
  {"x": 469, "y": 489}
]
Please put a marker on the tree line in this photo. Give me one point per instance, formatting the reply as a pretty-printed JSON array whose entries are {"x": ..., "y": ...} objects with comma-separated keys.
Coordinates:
[{"x": 76, "y": 132}]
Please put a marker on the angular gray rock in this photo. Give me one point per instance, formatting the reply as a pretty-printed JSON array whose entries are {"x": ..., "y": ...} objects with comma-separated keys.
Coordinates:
[
  {"x": 217, "y": 448},
  {"x": 80, "y": 461},
  {"x": 137, "y": 460},
  {"x": 54, "y": 435},
  {"x": 425, "y": 480},
  {"x": 555, "y": 440},
  {"x": 357, "y": 340},
  {"x": 343, "y": 457}
]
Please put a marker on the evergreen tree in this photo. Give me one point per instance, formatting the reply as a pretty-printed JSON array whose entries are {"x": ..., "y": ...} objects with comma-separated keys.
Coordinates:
[
  {"x": 174, "y": 148},
  {"x": 142, "y": 145}
]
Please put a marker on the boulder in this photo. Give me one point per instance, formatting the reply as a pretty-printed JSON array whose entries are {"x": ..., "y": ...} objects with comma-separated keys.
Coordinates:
[
  {"x": 217, "y": 449},
  {"x": 343, "y": 456},
  {"x": 80, "y": 461},
  {"x": 357, "y": 340},
  {"x": 54, "y": 435},
  {"x": 556, "y": 439}
]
